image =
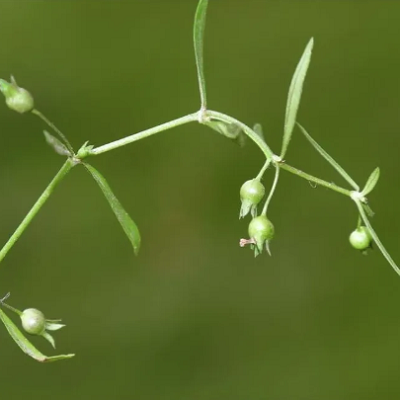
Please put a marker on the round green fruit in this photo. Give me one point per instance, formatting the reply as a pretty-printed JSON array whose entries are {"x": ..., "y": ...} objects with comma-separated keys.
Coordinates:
[
  {"x": 361, "y": 238},
  {"x": 261, "y": 230},
  {"x": 252, "y": 191},
  {"x": 33, "y": 321}
]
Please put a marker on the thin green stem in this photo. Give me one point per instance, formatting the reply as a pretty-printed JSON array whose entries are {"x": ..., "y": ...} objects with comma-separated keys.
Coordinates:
[
  {"x": 181, "y": 121},
  {"x": 272, "y": 191},
  {"x": 52, "y": 126},
  {"x": 18, "y": 312},
  {"x": 144, "y": 134},
  {"x": 225, "y": 118},
  {"x": 263, "y": 169},
  {"x": 314, "y": 179},
  {"x": 247, "y": 130},
  {"x": 375, "y": 236},
  {"x": 5, "y": 298},
  {"x": 270, "y": 155},
  {"x": 36, "y": 207}
]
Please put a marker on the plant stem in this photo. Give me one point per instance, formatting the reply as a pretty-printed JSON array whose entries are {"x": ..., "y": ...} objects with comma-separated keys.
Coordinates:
[
  {"x": 52, "y": 126},
  {"x": 270, "y": 155},
  {"x": 36, "y": 207},
  {"x": 225, "y": 118},
  {"x": 143, "y": 134},
  {"x": 314, "y": 179},
  {"x": 263, "y": 169},
  {"x": 18, "y": 312},
  {"x": 181, "y": 121},
  {"x": 272, "y": 191},
  {"x": 375, "y": 237}
]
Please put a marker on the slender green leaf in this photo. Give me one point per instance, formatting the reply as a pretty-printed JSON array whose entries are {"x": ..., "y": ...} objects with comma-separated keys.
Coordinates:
[
  {"x": 52, "y": 126},
  {"x": 130, "y": 228},
  {"x": 257, "y": 128},
  {"x": 376, "y": 238},
  {"x": 371, "y": 182},
  {"x": 198, "y": 40},
  {"x": 368, "y": 210},
  {"x": 231, "y": 131},
  {"x": 25, "y": 345},
  {"x": 56, "y": 144},
  {"x": 328, "y": 158},
  {"x": 294, "y": 96}
]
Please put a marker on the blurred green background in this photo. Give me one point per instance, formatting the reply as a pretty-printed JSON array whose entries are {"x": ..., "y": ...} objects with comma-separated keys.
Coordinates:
[{"x": 195, "y": 316}]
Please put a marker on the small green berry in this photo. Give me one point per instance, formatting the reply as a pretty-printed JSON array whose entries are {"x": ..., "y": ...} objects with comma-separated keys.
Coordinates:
[
  {"x": 261, "y": 231},
  {"x": 17, "y": 98},
  {"x": 33, "y": 321},
  {"x": 361, "y": 238},
  {"x": 251, "y": 193}
]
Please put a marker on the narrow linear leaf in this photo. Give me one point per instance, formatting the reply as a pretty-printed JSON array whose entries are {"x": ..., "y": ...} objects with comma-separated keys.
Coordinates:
[
  {"x": 328, "y": 158},
  {"x": 294, "y": 95},
  {"x": 25, "y": 345},
  {"x": 198, "y": 40},
  {"x": 52, "y": 126},
  {"x": 371, "y": 182},
  {"x": 376, "y": 238},
  {"x": 231, "y": 131},
  {"x": 57, "y": 145},
  {"x": 368, "y": 210},
  {"x": 128, "y": 225},
  {"x": 259, "y": 130}
]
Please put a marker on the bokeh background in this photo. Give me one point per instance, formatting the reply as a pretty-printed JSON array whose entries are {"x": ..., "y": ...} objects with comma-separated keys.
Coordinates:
[{"x": 195, "y": 316}]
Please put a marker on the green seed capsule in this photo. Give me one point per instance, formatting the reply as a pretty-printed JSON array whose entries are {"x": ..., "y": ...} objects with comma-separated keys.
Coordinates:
[
  {"x": 17, "y": 98},
  {"x": 262, "y": 231},
  {"x": 361, "y": 238},
  {"x": 251, "y": 193},
  {"x": 33, "y": 321}
]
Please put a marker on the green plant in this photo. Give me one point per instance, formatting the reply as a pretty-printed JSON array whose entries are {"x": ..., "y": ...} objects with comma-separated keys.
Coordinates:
[{"x": 261, "y": 230}]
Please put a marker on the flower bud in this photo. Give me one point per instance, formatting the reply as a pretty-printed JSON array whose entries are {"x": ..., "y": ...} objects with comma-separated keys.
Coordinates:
[
  {"x": 17, "y": 99},
  {"x": 361, "y": 238},
  {"x": 33, "y": 321},
  {"x": 251, "y": 193},
  {"x": 261, "y": 231}
]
